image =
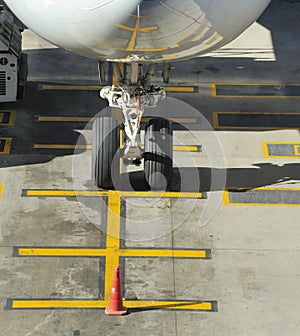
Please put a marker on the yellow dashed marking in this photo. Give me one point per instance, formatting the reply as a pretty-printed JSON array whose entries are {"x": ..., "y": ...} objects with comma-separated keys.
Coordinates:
[
  {"x": 254, "y": 126},
  {"x": 79, "y": 193},
  {"x": 72, "y": 87},
  {"x": 1, "y": 190},
  {"x": 190, "y": 89},
  {"x": 260, "y": 96},
  {"x": 112, "y": 243},
  {"x": 7, "y": 145},
  {"x": 11, "y": 117},
  {"x": 294, "y": 153},
  {"x": 227, "y": 201},
  {"x": 88, "y": 147},
  {"x": 87, "y": 119},
  {"x": 297, "y": 150},
  {"x": 64, "y": 193},
  {"x": 99, "y": 304}
]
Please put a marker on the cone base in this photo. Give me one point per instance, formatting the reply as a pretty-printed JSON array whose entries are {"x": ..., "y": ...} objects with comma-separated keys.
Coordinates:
[{"x": 111, "y": 312}]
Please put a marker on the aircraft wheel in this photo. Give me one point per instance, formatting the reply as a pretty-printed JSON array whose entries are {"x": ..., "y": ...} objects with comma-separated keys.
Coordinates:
[
  {"x": 105, "y": 152},
  {"x": 158, "y": 153}
]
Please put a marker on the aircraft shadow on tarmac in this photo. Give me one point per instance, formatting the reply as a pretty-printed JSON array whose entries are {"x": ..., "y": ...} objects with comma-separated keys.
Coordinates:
[{"x": 262, "y": 174}]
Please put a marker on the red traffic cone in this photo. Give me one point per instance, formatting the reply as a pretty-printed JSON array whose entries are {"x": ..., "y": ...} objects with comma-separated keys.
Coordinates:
[{"x": 115, "y": 307}]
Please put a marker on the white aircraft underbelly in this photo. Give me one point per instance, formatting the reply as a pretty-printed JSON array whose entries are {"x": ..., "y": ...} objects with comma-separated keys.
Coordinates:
[{"x": 135, "y": 30}]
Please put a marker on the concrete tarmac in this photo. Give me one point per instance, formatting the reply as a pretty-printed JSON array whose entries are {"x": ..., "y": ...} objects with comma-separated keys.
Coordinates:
[{"x": 220, "y": 258}]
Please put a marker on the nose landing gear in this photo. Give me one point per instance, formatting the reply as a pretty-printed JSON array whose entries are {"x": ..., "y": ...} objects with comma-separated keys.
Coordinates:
[{"x": 132, "y": 99}]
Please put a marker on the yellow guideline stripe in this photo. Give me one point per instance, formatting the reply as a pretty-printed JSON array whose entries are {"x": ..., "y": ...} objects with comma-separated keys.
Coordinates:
[
  {"x": 60, "y": 252},
  {"x": 112, "y": 239},
  {"x": 7, "y": 145},
  {"x": 227, "y": 201},
  {"x": 152, "y": 194},
  {"x": 12, "y": 117},
  {"x": 175, "y": 120},
  {"x": 214, "y": 94},
  {"x": 58, "y": 146},
  {"x": 1, "y": 190},
  {"x": 72, "y": 87},
  {"x": 216, "y": 125},
  {"x": 64, "y": 193},
  {"x": 183, "y": 148},
  {"x": 87, "y": 119},
  {"x": 266, "y": 154},
  {"x": 79, "y": 193},
  {"x": 99, "y": 87},
  {"x": 179, "y": 89},
  {"x": 97, "y": 304},
  {"x": 177, "y": 148},
  {"x": 114, "y": 244},
  {"x": 65, "y": 119},
  {"x": 164, "y": 253}
]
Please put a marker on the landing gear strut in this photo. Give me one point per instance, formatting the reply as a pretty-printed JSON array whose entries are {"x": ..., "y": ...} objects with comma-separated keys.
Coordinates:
[{"x": 132, "y": 92}]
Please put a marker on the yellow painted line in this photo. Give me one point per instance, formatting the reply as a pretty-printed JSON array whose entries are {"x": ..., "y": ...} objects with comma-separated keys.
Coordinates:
[
  {"x": 88, "y": 147},
  {"x": 216, "y": 125},
  {"x": 58, "y": 304},
  {"x": 226, "y": 198},
  {"x": 7, "y": 145},
  {"x": 99, "y": 304},
  {"x": 189, "y": 254},
  {"x": 60, "y": 252},
  {"x": 112, "y": 239},
  {"x": 72, "y": 87},
  {"x": 87, "y": 119},
  {"x": 12, "y": 117},
  {"x": 176, "y": 120},
  {"x": 61, "y": 146},
  {"x": 213, "y": 89},
  {"x": 82, "y": 193},
  {"x": 214, "y": 93},
  {"x": 186, "y": 148},
  {"x": 153, "y": 194},
  {"x": 266, "y": 150},
  {"x": 183, "y": 148},
  {"x": 1, "y": 190},
  {"x": 65, "y": 119},
  {"x": 179, "y": 89},
  {"x": 64, "y": 193},
  {"x": 112, "y": 247},
  {"x": 95, "y": 88},
  {"x": 179, "y": 305}
]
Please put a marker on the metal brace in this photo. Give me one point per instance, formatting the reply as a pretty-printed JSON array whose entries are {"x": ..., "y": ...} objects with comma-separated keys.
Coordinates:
[{"x": 133, "y": 107}]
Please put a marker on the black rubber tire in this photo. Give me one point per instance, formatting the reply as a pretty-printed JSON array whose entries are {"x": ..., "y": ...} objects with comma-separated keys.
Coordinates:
[
  {"x": 105, "y": 152},
  {"x": 158, "y": 163}
]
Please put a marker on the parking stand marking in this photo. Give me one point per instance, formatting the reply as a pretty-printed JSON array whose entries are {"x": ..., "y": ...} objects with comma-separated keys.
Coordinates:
[
  {"x": 5, "y": 145},
  {"x": 112, "y": 253},
  {"x": 7, "y": 117}
]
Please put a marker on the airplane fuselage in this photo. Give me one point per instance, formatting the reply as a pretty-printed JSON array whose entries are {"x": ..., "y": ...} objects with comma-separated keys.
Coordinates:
[{"x": 136, "y": 30}]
